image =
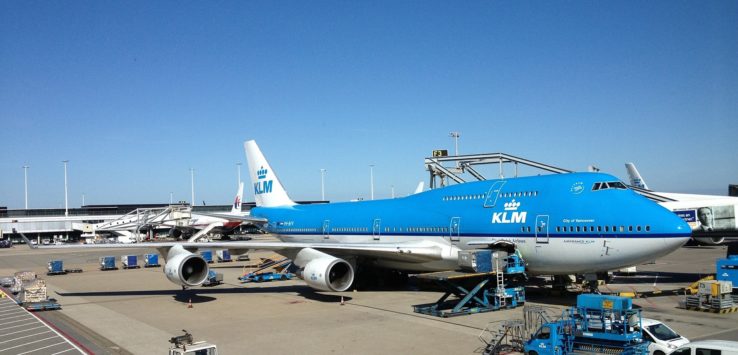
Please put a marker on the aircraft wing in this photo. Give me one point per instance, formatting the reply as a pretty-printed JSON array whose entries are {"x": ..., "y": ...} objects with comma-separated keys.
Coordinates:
[{"x": 408, "y": 252}]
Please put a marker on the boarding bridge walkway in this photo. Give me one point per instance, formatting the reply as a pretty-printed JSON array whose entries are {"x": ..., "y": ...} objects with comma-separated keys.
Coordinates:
[
  {"x": 173, "y": 216},
  {"x": 445, "y": 168}
]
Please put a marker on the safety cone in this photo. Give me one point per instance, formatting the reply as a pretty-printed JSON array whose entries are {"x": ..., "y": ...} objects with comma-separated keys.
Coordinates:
[
  {"x": 189, "y": 304},
  {"x": 342, "y": 303}
]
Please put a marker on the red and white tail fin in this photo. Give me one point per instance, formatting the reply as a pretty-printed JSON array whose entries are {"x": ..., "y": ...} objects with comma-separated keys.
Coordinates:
[
  {"x": 268, "y": 190},
  {"x": 236, "y": 208}
]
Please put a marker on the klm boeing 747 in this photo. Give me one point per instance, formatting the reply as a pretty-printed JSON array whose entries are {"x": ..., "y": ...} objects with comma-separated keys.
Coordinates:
[{"x": 560, "y": 224}]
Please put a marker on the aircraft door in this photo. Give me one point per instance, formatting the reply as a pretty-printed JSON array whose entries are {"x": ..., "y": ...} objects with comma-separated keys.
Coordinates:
[
  {"x": 493, "y": 193},
  {"x": 541, "y": 229},
  {"x": 376, "y": 228},
  {"x": 455, "y": 229},
  {"x": 326, "y": 229}
]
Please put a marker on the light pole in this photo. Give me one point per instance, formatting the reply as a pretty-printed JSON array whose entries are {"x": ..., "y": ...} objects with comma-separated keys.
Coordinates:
[
  {"x": 322, "y": 184},
  {"x": 239, "y": 173},
  {"x": 171, "y": 197},
  {"x": 83, "y": 199},
  {"x": 192, "y": 183},
  {"x": 371, "y": 178},
  {"x": 25, "y": 181},
  {"x": 455, "y": 136},
  {"x": 66, "y": 201}
]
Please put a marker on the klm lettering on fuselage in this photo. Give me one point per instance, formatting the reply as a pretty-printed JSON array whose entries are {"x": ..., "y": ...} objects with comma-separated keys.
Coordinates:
[
  {"x": 511, "y": 215},
  {"x": 262, "y": 186}
]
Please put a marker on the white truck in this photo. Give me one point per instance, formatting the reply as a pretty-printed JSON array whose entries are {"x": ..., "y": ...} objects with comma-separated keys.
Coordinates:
[
  {"x": 708, "y": 347},
  {"x": 663, "y": 339}
]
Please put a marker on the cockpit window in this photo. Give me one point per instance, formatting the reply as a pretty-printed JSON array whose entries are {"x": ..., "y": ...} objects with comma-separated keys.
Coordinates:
[
  {"x": 616, "y": 185},
  {"x": 605, "y": 185}
]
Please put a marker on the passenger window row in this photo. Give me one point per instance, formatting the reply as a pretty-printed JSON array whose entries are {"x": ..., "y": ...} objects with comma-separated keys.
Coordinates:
[
  {"x": 351, "y": 229},
  {"x": 519, "y": 194},
  {"x": 601, "y": 229},
  {"x": 484, "y": 195},
  {"x": 464, "y": 197}
]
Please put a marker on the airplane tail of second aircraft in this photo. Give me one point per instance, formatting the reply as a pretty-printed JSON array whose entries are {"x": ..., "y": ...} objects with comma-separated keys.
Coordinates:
[
  {"x": 635, "y": 178},
  {"x": 268, "y": 190},
  {"x": 236, "y": 208}
]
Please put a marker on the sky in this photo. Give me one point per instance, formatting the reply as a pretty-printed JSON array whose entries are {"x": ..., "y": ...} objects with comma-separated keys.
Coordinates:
[{"x": 136, "y": 93}]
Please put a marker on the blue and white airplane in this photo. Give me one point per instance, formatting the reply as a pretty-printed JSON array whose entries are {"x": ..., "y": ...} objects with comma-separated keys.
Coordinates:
[{"x": 560, "y": 224}]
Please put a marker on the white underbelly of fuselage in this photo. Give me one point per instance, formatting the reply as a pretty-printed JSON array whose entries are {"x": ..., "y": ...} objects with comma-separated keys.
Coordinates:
[{"x": 574, "y": 255}]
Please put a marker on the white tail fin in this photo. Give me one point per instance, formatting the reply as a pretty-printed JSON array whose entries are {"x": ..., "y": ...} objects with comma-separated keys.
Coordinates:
[
  {"x": 268, "y": 190},
  {"x": 419, "y": 189},
  {"x": 236, "y": 208},
  {"x": 635, "y": 178}
]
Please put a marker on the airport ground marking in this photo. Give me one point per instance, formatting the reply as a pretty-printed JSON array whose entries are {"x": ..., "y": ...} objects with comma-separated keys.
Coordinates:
[
  {"x": 21, "y": 331},
  {"x": 45, "y": 347},
  {"x": 25, "y": 336},
  {"x": 35, "y": 341}
]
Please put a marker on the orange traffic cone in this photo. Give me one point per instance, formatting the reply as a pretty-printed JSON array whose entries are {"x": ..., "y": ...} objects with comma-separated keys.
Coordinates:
[
  {"x": 342, "y": 303},
  {"x": 189, "y": 304}
]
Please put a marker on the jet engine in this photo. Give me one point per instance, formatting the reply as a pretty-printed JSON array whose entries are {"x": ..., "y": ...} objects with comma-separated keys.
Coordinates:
[
  {"x": 710, "y": 240},
  {"x": 185, "y": 268},
  {"x": 324, "y": 272}
]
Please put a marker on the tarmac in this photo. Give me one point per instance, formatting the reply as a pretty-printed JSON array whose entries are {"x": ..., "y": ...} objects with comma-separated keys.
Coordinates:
[{"x": 136, "y": 311}]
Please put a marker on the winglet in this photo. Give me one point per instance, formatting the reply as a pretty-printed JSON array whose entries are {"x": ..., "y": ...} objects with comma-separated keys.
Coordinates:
[{"x": 268, "y": 190}]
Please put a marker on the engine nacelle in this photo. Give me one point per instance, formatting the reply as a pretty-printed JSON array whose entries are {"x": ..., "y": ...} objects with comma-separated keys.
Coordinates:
[
  {"x": 185, "y": 268},
  {"x": 324, "y": 272},
  {"x": 710, "y": 240}
]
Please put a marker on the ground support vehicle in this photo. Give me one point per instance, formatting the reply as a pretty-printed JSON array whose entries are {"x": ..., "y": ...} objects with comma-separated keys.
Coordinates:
[
  {"x": 727, "y": 270},
  {"x": 258, "y": 276},
  {"x": 107, "y": 263},
  {"x": 207, "y": 255},
  {"x": 184, "y": 345},
  {"x": 214, "y": 279},
  {"x": 55, "y": 267},
  {"x": 34, "y": 297},
  {"x": 708, "y": 347},
  {"x": 224, "y": 256},
  {"x": 151, "y": 260},
  {"x": 487, "y": 288},
  {"x": 129, "y": 261},
  {"x": 598, "y": 324},
  {"x": 663, "y": 339},
  {"x": 266, "y": 276},
  {"x": 712, "y": 296}
]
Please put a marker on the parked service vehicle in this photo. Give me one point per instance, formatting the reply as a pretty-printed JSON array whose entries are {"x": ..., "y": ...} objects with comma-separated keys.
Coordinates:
[
  {"x": 663, "y": 339},
  {"x": 184, "y": 345},
  {"x": 708, "y": 347}
]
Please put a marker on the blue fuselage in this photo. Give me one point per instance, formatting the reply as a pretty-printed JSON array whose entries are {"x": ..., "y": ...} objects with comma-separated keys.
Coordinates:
[{"x": 565, "y": 223}]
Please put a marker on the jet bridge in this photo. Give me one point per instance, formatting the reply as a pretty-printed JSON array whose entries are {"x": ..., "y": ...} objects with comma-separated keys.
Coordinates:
[
  {"x": 171, "y": 216},
  {"x": 444, "y": 169}
]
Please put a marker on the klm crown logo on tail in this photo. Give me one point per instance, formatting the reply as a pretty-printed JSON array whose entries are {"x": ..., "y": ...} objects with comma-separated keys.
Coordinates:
[
  {"x": 262, "y": 186},
  {"x": 515, "y": 217}
]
